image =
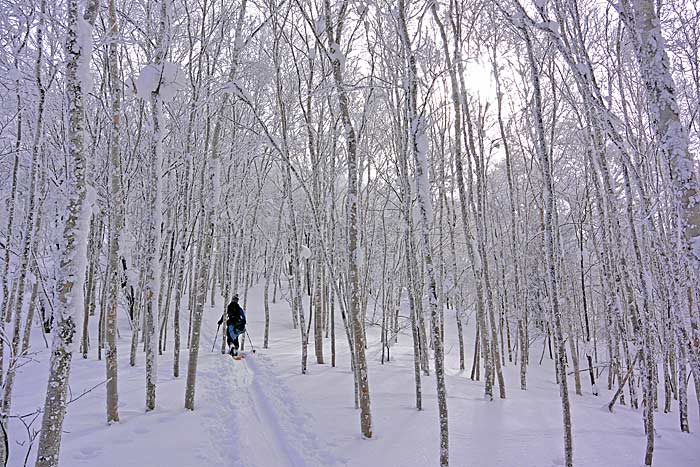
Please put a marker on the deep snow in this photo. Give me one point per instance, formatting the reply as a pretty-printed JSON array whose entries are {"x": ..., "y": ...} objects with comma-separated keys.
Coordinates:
[{"x": 261, "y": 412}]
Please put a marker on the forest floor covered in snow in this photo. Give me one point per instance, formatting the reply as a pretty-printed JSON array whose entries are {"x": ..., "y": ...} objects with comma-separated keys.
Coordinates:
[{"x": 261, "y": 412}]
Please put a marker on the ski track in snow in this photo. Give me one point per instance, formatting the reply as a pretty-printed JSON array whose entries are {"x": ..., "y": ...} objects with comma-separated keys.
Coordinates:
[
  {"x": 222, "y": 432},
  {"x": 271, "y": 430},
  {"x": 260, "y": 412}
]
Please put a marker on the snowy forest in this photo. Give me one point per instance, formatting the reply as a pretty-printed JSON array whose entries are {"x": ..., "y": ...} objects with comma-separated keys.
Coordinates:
[{"x": 464, "y": 232}]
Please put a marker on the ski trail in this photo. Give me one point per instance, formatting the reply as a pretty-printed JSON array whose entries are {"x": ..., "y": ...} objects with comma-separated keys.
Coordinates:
[
  {"x": 224, "y": 446},
  {"x": 257, "y": 422},
  {"x": 271, "y": 431},
  {"x": 257, "y": 444}
]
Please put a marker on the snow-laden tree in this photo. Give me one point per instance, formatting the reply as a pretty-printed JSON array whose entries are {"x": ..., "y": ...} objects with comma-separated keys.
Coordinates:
[
  {"x": 517, "y": 176},
  {"x": 74, "y": 245}
]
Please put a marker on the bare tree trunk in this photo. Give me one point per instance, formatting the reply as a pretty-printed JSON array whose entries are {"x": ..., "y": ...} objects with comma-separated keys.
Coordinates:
[
  {"x": 201, "y": 297},
  {"x": 89, "y": 288},
  {"x": 103, "y": 313},
  {"x": 152, "y": 282},
  {"x": 266, "y": 305},
  {"x": 318, "y": 307},
  {"x": 475, "y": 376},
  {"x": 30, "y": 312},
  {"x": 269, "y": 275},
  {"x": 29, "y": 233},
  {"x": 524, "y": 349},
  {"x": 672, "y": 135},
  {"x": 683, "y": 391},
  {"x": 550, "y": 252},
  {"x": 472, "y": 252},
  {"x": 136, "y": 321},
  {"x": 419, "y": 149},
  {"x": 353, "y": 288},
  {"x": 74, "y": 252},
  {"x": 575, "y": 364},
  {"x": 117, "y": 224}
]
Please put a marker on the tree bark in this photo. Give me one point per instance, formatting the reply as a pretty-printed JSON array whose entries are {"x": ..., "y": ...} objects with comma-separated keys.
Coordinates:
[
  {"x": 73, "y": 251},
  {"x": 418, "y": 146},
  {"x": 111, "y": 363},
  {"x": 353, "y": 287},
  {"x": 549, "y": 244}
]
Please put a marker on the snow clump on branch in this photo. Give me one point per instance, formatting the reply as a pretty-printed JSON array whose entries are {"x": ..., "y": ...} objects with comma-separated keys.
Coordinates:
[{"x": 166, "y": 78}]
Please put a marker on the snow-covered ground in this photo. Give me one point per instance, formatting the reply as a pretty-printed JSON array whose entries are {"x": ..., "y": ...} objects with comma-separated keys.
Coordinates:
[{"x": 261, "y": 412}]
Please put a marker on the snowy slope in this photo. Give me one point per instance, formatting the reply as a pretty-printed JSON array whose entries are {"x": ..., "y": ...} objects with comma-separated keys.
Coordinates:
[
  {"x": 524, "y": 430},
  {"x": 261, "y": 412}
]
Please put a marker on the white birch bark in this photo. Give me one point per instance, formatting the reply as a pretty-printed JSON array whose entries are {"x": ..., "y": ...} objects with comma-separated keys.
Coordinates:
[
  {"x": 465, "y": 199},
  {"x": 334, "y": 35},
  {"x": 31, "y": 227},
  {"x": 550, "y": 252},
  {"x": 201, "y": 296},
  {"x": 6, "y": 295},
  {"x": 207, "y": 236},
  {"x": 672, "y": 135},
  {"x": 153, "y": 242},
  {"x": 418, "y": 148},
  {"x": 73, "y": 251},
  {"x": 117, "y": 224}
]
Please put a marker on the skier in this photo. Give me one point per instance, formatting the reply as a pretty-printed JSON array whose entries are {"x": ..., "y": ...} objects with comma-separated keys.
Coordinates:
[{"x": 235, "y": 324}]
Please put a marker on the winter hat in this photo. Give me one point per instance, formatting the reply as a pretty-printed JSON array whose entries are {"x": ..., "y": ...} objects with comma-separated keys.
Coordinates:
[{"x": 235, "y": 297}]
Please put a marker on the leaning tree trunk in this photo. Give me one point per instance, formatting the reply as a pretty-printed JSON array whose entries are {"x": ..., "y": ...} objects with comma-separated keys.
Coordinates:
[
  {"x": 550, "y": 253},
  {"x": 672, "y": 135}
]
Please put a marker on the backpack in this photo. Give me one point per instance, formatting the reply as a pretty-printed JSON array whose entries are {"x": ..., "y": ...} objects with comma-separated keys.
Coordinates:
[{"x": 237, "y": 317}]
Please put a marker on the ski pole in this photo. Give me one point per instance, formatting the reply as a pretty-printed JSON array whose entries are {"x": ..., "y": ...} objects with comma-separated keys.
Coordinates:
[
  {"x": 216, "y": 336},
  {"x": 252, "y": 347}
]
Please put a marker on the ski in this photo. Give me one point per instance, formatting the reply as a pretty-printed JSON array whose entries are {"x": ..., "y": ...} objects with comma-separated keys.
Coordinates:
[{"x": 239, "y": 356}]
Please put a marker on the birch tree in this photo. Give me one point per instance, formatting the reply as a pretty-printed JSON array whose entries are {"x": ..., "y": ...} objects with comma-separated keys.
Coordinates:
[
  {"x": 550, "y": 252},
  {"x": 74, "y": 250},
  {"x": 418, "y": 147},
  {"x": 117, "y": 223},
  {"x": 334, "y": 33}
]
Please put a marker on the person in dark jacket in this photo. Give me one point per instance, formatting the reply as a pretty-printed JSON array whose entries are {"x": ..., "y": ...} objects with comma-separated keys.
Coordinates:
[{"x": 235, "y": 324}]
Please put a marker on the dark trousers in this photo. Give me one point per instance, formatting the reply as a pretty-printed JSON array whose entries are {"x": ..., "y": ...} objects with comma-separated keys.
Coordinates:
[{"x": 232, "y": 335}]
